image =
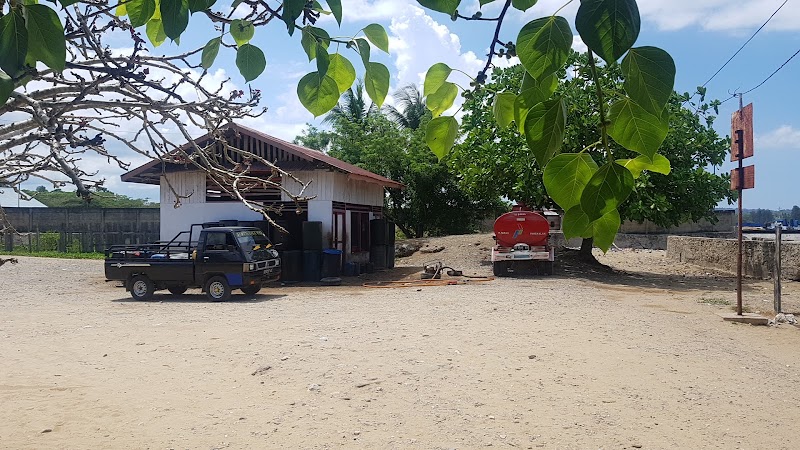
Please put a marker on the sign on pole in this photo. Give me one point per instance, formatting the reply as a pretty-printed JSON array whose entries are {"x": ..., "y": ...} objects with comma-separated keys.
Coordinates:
[
  {"x": 742, "y": 121},
  {"x": 749, "y": 178}
]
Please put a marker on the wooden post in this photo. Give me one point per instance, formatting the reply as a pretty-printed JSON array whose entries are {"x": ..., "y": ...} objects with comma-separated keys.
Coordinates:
[{"x": 777, "y": 274}]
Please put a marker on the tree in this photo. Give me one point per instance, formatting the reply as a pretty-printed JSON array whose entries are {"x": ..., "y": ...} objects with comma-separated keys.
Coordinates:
[
  {"x": 314, "y": 138},
  {"x": 104, "y": 199},
  {"x": 412, "y": 110},
  {"x": 352, "y": 107},
  {"x": 795, "y": 212},
  {"x": 495, "y": 160}
]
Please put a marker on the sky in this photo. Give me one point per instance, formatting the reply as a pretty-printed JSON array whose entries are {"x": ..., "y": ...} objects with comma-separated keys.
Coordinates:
[{"x": 699, "y": 34}]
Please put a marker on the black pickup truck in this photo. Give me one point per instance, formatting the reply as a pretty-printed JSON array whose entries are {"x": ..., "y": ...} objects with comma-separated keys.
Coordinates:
[{"x": 220, "y": 260}]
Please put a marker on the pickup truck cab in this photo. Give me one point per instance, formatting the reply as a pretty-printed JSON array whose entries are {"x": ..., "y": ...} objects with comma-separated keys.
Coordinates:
[{"x": 221, "y": 260}]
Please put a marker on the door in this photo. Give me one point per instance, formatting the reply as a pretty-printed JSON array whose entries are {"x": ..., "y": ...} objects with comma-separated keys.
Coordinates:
[
  {"x": 339, "y": 235},
  {"x": 220, "y": 255}
]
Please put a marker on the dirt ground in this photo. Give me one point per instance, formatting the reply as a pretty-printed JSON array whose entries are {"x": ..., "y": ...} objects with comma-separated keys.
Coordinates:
[{"x": 634, "y": 357}]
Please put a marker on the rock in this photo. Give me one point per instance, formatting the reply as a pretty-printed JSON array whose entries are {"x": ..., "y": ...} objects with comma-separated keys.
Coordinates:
[
  {"x": 284, "y": 358},
  {"x": 785, "y": 318},
  {"x": 431, "y": 249},
  {"x": 531, "y": 356},
  {"x": 261, "y": 370},
  {"x": 47, "y": 430},
  {"x": 313, "y": 387},
  {"x": 403, "y": 250}
]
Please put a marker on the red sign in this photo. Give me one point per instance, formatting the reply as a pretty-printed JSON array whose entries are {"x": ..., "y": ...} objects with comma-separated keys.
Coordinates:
[
  {"x": 742, "y": 128},
  {"x": 749, "y": 178}
]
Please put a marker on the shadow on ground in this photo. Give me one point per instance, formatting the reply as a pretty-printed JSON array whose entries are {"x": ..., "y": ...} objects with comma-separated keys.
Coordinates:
[{"x": 199, "y": 297}]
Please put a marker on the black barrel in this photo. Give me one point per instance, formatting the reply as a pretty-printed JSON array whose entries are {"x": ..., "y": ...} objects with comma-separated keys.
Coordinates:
[
  {"x": 312, "y": 236},
  {"x": 312, "y": 265},
  {"x": 390, "y": 254},
  {"x": 390, "y": 230},
  {"x": 264, "y": 226},
  {"x": 279, "y": 237},
  {"x": 331, "y": 263},
  {"x": 377, "y": 256},
  {"x": 247, "y": 223},
  {"x": 377, "y": 232},
  {"x": 292, "y": 265}
]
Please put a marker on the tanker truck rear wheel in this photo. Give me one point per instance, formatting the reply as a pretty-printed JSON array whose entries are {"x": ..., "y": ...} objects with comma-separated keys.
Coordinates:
[{"x": 500, "y": 268}]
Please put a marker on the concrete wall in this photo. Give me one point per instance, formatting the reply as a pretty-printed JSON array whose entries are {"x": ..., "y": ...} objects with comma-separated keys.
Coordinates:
[
  {"x": 726, "y": 223},
  {"x": 758, "y": 258},
  {"x": 97, "y": 228}
]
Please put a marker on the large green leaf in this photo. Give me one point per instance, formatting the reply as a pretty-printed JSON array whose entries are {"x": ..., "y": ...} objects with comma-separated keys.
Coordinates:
[
  {"x": 175, "y": 16},
  {"x": 251, "y": 61},
  {"x": 534, "y": 92},
  {"x": 13, "y": 42},
  {"x": 543, "y": 45},
  {"x": 484, "y": 2},
  {"x": 520, "y": 113},
  {"x": 659, "y": 164},
  {"x": 6, "y": 87},
  {"x": 318, "y": 94},
  {"x": 435, "y": 78},
  {"x": 441, "y": 100},
  {"x": 522, "y": 5},
  {"x": 292, "y": 10},
  {"x": 544, "y": 129},
  {"x": 376, "y": 82},
  {"x": 445, "y": 6},
  {"x": 606, "y": 190},
  {"x": 155, "y": 32},
  {"x": 200, "y": 5},
  {"x": 440, "y": 135},
  {"x": 608, "y": 27},
  {"x": 604, "y": 229},
  {"x": 336, "y": 9},
  {"x": 66, "y": 3},
  {"x": 46, "y": 42},
  {"x": 140, "y": 11},
  {"x": 342, "y": 71},
  {"x": 242, "y": 31},
  {"x": 323, "y": 60},
  {"x": 312, "y": 36},
  {"x": 363, "y": 50},
  {"x": 503, "y": 108},
  {"x": 377, "y": 35},
  {"x": 576, "y": 224},
  {"x": 649, "y": 77},
  {"x": 635, "y": 128},
  {"x": 210, "y": 52},
  {"x": 565, "y": 177}
]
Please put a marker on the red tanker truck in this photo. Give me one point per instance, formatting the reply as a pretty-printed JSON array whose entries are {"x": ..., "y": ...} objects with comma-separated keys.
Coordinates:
[{"x": 522, "y": 241}]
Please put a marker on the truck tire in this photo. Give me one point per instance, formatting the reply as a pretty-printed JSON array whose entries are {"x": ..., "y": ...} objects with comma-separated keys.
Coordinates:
[
  {"x": 251, "y": 290},
  {"x": 176, "y": 289},
  {"x": 500, "y": 268},
  {"x": 547, "y": 268},
  {"x": 218, "y": 289},
  {"x": 142, "y": 288}
]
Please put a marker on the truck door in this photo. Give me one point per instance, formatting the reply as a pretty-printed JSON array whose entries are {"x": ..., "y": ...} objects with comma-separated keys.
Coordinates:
[{"x": 220, "y": 255}]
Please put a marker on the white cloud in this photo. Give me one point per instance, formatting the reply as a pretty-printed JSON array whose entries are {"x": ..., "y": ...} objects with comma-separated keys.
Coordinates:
[
  {"x": 418, "y": 42},
  {"x": 785, "y": 137},
  {"x": 720, "y": 15}
]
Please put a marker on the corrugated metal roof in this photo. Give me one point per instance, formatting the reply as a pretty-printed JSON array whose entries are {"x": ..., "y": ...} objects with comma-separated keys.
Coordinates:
[
  {"x": 136, "y": 175},
  {"x": 10, "y": 199}
]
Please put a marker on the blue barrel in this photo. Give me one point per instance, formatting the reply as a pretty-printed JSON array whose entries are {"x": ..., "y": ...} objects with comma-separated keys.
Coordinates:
[
  {"x": 312, "y": 265},
  {"x": 292, "y": 265},
  {"x": 331, "y": 263}
]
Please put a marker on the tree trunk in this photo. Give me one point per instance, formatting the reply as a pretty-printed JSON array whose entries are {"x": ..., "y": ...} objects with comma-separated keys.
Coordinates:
[{"x": 586, "y": 250}]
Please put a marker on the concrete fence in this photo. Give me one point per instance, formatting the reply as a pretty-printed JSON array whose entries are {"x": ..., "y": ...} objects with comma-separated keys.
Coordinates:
[
  {"x": 758, "y": 255},
  {"x": 80, "y": 229}
]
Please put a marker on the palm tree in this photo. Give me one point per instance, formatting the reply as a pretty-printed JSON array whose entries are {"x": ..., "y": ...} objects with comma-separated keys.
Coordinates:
[
  {"x": 352, "y": 107},
  {"x": 412, "y": 108}
]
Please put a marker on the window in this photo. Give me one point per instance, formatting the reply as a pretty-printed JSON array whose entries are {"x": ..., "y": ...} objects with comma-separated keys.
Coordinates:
[
  {"x": 359, "y": 231},
  {"x": 219, "y": 241}
]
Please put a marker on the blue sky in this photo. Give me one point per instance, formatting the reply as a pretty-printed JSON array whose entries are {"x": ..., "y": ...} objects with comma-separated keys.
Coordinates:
[{"x": 700, "y": 34}]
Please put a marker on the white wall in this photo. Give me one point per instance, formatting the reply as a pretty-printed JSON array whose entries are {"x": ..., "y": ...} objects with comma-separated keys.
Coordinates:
[
  {"x": 322, "y": 211},
  {"x": 336, "y": 186}
]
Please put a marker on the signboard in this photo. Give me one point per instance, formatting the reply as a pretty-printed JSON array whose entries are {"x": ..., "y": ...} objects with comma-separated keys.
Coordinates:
[
  {"x": 742, "y": 128},
  {"x": 749, "y": 178}
]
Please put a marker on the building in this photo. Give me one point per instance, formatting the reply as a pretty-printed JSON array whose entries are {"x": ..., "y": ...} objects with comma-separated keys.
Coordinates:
[{"x": 345, "y": 197}]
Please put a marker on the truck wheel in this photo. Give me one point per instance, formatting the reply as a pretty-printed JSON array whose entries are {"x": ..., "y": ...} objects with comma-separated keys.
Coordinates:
[
  {"x": 176, "y": 290},
  {"x": 251, "y": 290},
  {"x": 500, "y": 268},
  {"x": 142, "y": 288},
  {"x": 547, "y": 268},
  {"x": 217, "y": 289}
]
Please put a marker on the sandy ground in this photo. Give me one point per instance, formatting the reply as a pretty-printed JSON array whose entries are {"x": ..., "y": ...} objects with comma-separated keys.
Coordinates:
[{"x": 635, "y": 358}]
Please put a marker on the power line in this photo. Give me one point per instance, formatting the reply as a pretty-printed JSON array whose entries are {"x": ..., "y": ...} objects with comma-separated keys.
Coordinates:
[
  {"x": 745, "y": 44},
  {"x": 766, "y": 79}
]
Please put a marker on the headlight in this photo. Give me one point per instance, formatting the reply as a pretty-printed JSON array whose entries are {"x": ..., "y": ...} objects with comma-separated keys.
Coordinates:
[{"x": 249, "y": 267}]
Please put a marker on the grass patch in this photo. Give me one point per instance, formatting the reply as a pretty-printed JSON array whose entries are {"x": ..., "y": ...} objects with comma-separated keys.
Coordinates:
[
  {"x": 714, "y": 301},
  {"x": 52, "y": 254}
]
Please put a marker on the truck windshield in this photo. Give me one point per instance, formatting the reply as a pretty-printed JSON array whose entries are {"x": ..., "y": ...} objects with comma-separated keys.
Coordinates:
[{"x": 254, "y": 244}]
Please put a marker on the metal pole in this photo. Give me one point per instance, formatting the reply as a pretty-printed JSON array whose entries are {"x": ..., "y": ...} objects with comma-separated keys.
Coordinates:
[
  {"x": 740, "y": 149},
  {"x": 778, "y": 269}
]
